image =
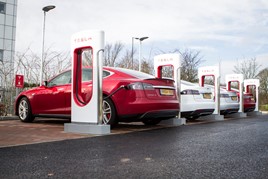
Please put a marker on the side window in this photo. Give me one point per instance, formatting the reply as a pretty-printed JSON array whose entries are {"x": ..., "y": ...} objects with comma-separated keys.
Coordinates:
[
  {"x": 2, "y": 8},
  {"x": 64, "y": 78},
  {"x": 1, "y": 55},
  {"x": 87, "y": 75},
  {"x": 105, "y": 73}
]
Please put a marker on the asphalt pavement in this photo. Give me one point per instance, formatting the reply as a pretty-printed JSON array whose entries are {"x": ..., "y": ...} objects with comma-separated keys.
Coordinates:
[{"x": 236, "y": 148}]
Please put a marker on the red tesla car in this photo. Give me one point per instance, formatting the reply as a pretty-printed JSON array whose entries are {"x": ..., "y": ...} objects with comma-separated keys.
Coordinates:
[
  {"x": 249, "y": 101},
  {"x": 128, "y": 96}
]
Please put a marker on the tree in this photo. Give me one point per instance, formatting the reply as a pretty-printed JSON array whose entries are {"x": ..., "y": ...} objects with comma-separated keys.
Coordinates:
[
  {"x": 167, "y": 71},
  {"x": 27, "y": 63},
  {"x": 7, "y": 86},
  {"x": 263, "y": 76},
  {"x": 5, "y": 73},
  {"x": 248, "y": 67},
  {"x": 126, "y": 61},
  {"x": 111, "y": 53},
  {"x": 191, "y": 60},
  {"x": 146, "y": 67},
  {"x": 55, "y": 62}
]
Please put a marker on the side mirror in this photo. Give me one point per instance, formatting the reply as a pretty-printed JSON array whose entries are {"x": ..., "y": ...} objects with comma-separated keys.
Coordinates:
[{"x": 45, "y": 83}]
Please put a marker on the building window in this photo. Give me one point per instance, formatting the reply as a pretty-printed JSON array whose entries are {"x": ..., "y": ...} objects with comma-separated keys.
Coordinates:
[
  {"x": 1, "y": 55},
  {"x": 2, "y": 7}
]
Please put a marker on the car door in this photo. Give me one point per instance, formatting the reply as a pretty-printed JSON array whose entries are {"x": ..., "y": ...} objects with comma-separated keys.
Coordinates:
[
  {"x": 52, "y": 99},
  {"x": 86, "y": 89}
]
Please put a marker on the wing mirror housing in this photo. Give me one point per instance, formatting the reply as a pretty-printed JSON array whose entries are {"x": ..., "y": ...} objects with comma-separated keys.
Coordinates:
[{"x": 45, "y": 83}]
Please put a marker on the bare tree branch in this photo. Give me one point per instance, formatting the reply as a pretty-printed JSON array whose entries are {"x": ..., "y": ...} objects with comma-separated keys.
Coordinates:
[
  {"x": 249, "y": 68},
  {"x": 190, "y": 63},
  {"x": 111, "y": 53}
]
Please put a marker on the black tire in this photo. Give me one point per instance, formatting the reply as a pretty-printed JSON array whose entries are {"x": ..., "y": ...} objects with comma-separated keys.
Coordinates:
[
  {"x": 151, "y": 122},
  {"x": 25, "y": 110},
  {"x": 109, "y": 112}
]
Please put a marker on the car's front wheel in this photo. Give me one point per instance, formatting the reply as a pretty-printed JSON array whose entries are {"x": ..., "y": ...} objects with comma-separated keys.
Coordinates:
[
  {"x": 25, "y": 111},
  {"x": 109, "y": 113}
]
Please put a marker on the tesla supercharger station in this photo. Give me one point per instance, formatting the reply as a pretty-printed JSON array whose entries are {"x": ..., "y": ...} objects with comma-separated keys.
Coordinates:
[
  {"x": 173, "y": 60},
  {"x": 86, "y": 107},
  {"x": 237, "y": 78},
  {"x": 256, "y": 84},
  {"x": 213, "y": 71}
]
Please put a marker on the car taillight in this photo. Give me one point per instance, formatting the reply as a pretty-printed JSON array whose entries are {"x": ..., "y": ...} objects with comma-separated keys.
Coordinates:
[
  {"x": 135, "y": 86},
  {"x": 140, "y": 86},
  {"x": 190, "y": 92},
  {"x": 147, "y": 86}
]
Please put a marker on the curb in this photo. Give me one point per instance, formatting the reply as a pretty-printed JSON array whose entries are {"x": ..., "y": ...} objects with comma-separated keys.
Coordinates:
[{"x": 3, "y": 118}]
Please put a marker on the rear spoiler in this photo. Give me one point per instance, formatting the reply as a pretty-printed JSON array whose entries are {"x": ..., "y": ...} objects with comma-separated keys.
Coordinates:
[{"x": 163, "y": 79}]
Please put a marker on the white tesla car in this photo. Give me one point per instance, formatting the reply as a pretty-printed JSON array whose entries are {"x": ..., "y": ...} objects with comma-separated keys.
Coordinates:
[
  {"x": 229, "y": 102},
  {"x": 196, "y": 101}
]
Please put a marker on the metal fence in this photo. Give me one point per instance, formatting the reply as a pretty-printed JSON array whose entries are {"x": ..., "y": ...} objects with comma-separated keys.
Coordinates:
[{"x": 7, "y": 99}]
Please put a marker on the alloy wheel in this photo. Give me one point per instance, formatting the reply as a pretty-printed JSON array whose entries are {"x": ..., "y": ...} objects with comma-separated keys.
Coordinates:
[
  {"x": 23, "y": 110},
  {"x": 107, "y": 112}
]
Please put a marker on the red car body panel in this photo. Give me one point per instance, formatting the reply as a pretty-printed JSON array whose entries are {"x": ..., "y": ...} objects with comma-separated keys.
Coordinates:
[{"x": 249, "y": 102}]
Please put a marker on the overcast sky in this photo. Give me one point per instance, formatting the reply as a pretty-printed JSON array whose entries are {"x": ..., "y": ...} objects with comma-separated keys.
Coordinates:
[{"x": 223, "y": 30}]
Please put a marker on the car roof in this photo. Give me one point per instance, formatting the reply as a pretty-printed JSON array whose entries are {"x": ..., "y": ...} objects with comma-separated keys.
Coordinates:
[{"x": 133, "y": 73}]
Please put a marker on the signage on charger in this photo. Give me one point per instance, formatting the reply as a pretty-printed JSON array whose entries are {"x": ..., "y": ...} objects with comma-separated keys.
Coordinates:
[
  {"x": 82, "y": 39},
  {"x": 252, "y": 82},
  {"x": 234, "y": 77},
  {"x": 19, "y": 81},
  {"x": 167, "y": 59},
  {"x": 208, "y": 71}
]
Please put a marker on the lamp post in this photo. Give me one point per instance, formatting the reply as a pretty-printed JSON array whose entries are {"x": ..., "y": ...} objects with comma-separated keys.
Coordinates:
[
  {"x": 45, "y": 9},
  {"x": 140, "y": 39},
  {"x": 132, "y": 53}
]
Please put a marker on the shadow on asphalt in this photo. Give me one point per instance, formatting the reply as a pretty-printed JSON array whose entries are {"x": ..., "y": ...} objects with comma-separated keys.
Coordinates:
[
  {"x": 120, "y": 126},
  {"x": 51, "y": 121}
]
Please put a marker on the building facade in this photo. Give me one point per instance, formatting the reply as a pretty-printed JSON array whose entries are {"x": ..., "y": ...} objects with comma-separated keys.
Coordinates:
[{"x": 8, "y": 14}]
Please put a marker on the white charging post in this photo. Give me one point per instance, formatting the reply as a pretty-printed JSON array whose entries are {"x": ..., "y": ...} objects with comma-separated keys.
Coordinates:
[
  {"x": 213, "y": 71},
  {"x": 173, "y": 60},
  {"x": 86, "y": 105},
  {"x": 256, "y": 83},
  {"x": 238, "y": 78}
]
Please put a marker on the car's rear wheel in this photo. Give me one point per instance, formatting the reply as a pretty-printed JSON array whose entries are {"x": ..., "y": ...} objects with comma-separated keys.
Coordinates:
[
  {"x": 151, "y": 121},
  {"x": 109, "y": 113},
  {"x": 25, "y": 110}
]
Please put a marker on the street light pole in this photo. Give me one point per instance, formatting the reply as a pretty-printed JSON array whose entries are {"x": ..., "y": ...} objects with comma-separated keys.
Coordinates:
[
  {"x": 140, "y": 39},
  {"x": 45, "y": 9},
  {"x": 132, "y": 53}
]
